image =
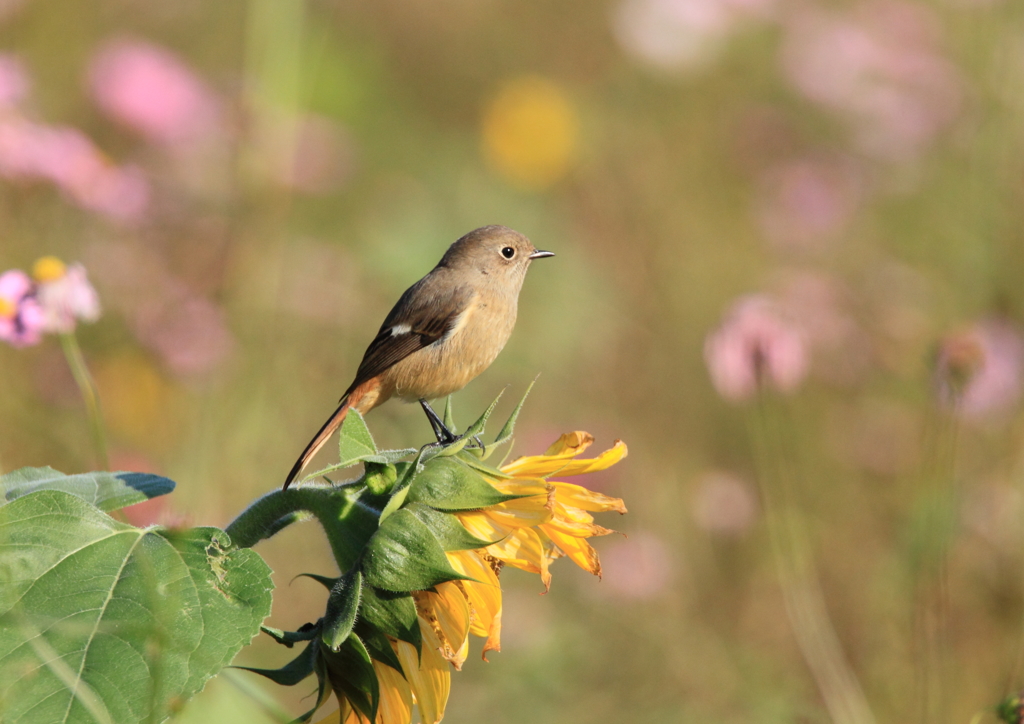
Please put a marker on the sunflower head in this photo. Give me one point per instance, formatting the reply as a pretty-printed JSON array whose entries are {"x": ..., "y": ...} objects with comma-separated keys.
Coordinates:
[{"x": 421, "y": 543}]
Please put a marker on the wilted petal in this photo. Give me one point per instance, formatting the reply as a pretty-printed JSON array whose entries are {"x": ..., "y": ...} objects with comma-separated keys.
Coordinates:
[
  {"x": 543, "y": 466},
  {"x": 580, "y": 497},
  {"x": 484, "y": 594},
  {"x": 428, "y": 675},
  {"x": 576, "y": 549}
]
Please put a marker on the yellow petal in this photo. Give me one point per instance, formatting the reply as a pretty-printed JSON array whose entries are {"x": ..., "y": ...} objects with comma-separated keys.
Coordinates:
[
  {"x": 577, "y": 529},
  {"x": 522, "y": 549},
  {"x": 580, "y": 497},
  {"x": 448, "y": 613},
  {"x": 577, "y": 549},
  {"x": 484, "y": 595},
  {"x": 521, "y": 486},
  {"x": 428, "y": 675},
  {"x": 484, "y": 527},
  {"x": 395, "y": 696},
  {"x": 542, "y": 466},
  {"x": 570, "y": 444}
]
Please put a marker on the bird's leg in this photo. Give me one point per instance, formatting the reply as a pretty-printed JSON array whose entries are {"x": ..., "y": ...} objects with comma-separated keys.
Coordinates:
[{"x": 441, "y": 432}]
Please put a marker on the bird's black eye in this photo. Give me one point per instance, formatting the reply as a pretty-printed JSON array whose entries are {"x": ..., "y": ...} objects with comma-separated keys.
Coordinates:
[{"x": 508, "y": 252}]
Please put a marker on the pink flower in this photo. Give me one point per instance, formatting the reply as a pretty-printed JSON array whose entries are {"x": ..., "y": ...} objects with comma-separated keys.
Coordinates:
[
  {"x": 979, "y": 369},
  {"x": 639, "y": 567},
  {"x": 680, "y": 34},
  {"x": 65, "y": 295},
  {"x": 67, "y": 158},
  {"x": 14, "y": 82},
  {"x": 150, "y": 90},
  {"x": 808, "y": 201},
  {"x": 21, "y": 318},
  {"x": 880, "y": 67},
  {"x": 755, "y": 347},
  {"x": 724, "y": 504}
]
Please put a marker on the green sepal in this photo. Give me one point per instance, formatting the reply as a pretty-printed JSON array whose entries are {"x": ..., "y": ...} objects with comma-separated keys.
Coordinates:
[
  {"x": 404, "y": 555},
  {"x": 393, "y": 614},
  {"x": 107, "y": 491},
  {"x": 325, "y": 581},
  {"x": 448, "y": 484},
  {"x": 450, "y": 533},
  {"x": 294, "y": 671},
  {"x": 469, "y": 458},
  {"x": 350, "y": 671},
  {"x": 342, "y": 606},
  {"x": 506, "y": 432},
  {"x": 307, "y": 632},
  {"x": 448, "y": 417},
  {"x": 407, "y": 471},
  {"x": 477, "y": 427},
  {"x": 378, "y": 645},
  {"x": 323, "y": 691}
]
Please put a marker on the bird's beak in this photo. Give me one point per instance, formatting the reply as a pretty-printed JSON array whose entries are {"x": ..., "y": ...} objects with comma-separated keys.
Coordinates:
[{"x": 541, "y": 254}]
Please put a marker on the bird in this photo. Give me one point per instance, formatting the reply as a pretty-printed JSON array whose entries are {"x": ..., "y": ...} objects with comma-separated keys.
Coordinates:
[{"x": 444, "y": 330}]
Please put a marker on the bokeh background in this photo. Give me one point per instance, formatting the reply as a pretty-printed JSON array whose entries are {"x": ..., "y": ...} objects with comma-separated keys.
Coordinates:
[{"x": 835, "y": 187}]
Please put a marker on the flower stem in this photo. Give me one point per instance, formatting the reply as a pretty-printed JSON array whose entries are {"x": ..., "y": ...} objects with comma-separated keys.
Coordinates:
[
  {"x": 87, "y": 386},
  {"x": 802, "y": 595}
]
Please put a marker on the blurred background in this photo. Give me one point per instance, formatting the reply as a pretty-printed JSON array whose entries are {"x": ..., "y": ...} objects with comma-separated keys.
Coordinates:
[{"x": 821, "y": 199}]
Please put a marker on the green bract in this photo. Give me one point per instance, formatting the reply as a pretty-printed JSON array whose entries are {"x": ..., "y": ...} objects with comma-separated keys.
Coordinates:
[{"x": 389, "y": 531}]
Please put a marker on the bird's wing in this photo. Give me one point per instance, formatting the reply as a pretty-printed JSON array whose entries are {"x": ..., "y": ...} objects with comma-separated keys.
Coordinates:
[{"x": 423, "y": 315}]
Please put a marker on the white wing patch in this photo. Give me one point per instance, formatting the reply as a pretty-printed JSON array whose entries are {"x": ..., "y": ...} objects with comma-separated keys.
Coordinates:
[{"x": 400, "y": 329}]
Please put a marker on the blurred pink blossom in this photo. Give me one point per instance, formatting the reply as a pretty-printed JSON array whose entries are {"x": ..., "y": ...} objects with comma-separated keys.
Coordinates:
[
  {"x": 69, "y": 159},
  {"x": 807, "y": 201},
  {"x": 65, "y": 295},
  {"x": 978, "y": 369},
  {"x": 152, "y": 91},
  {"x": 21, "y": 318},
  {"x": 724, "y": 504},
  {"x": 638, "y": 567},
  {"x": 680, "y": 34},
  {"x": 879, "y": 65},
  {"x": 187, "y": 330},
  {"x": 755, "y": 346},
  {"x": 14, "y": 81}
]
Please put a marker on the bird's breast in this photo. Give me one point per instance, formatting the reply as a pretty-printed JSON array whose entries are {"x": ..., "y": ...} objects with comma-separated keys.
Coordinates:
[{"x": 450, "y": 363}]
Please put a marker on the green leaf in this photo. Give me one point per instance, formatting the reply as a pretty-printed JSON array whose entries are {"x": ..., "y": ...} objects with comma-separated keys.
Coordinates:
[
  {"x": 393, "y": 614},
  {"x": 448, "y": 484},
  {"x": 356, "y": 444},
  {"x": 116, "y": 623},
  {"x": 404, "y": 555},
  {"x": 351, "y": 674},
  {"x": 341, "y": 608},
  {"x": 107, "y": 491},
  {"x": 450, "y": 533},
  {"x": 294, "y": 671}
]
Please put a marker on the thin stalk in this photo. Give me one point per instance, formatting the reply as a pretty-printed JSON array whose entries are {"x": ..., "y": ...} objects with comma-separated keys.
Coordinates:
[
  {"x": 802, "y": 595},
  {"x": 87, "y": 386}
]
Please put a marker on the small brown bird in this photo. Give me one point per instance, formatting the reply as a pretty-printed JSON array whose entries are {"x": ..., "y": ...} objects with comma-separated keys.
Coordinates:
[{"x": 445, "y": 330}]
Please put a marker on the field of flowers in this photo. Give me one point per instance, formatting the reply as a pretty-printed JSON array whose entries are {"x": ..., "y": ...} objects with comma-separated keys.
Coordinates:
[{"x": 790, "y": 245}]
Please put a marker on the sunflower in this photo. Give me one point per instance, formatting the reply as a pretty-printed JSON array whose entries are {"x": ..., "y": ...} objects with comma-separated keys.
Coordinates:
[{"x": 545, "y": 520}]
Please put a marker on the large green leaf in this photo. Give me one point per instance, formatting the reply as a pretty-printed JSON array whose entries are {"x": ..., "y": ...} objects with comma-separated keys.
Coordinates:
[
  {"x": 404, "y": 555},
  {"x": 107, "y": 491},
  {"x": 102, "y": 622}
]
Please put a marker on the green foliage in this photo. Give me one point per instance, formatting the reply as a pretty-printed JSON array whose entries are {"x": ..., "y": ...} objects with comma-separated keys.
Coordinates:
[
  {"x": 107, "y": 491},
  {"x": 389, "y": 531},
  {"x": 104, "y": 622}
]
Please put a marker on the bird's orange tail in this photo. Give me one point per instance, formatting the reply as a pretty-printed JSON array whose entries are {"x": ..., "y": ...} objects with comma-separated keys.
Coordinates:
[{"x": 332, "y": 424}]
